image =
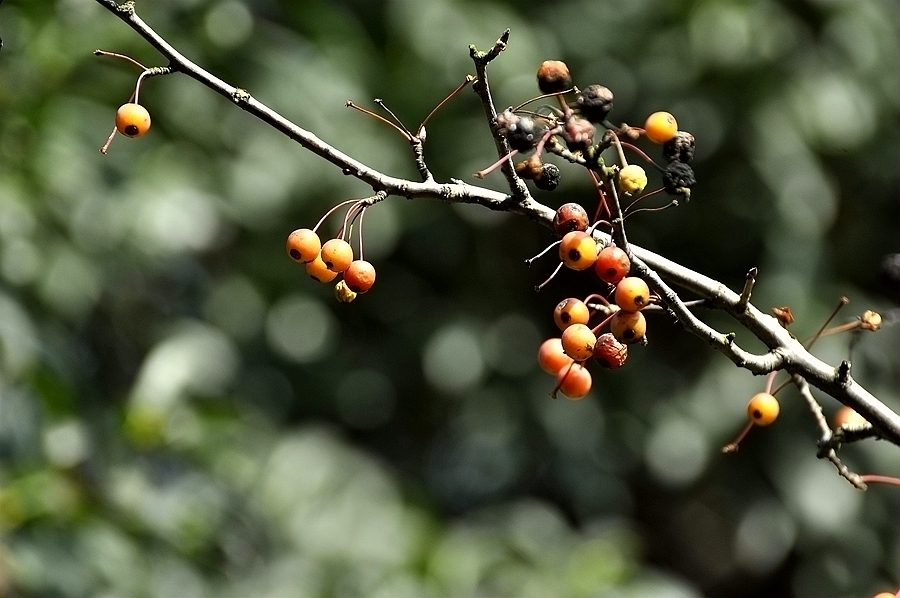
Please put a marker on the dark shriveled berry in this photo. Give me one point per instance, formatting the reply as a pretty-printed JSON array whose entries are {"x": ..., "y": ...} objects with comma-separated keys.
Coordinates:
[
  {"x": 594, "y": 103},
  {"x": 522, "y": 132},
  {"x": 530, "y": 168},
  {"x": 609, "y": 352},
  {"x": 578, "y": 134},
  {"x": 680, "y": 148},
  {"x": 570, "y": 217},
  {"x": 549, "y": 177},
  {"x": 678, "y": 179}
]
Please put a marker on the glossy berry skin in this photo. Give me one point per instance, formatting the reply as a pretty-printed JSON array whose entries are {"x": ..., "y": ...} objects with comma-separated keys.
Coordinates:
[
  {"x": 359, "y": 276},
  {"x": 763, "y": 409},
  {"x": 660, "y": 127},
  {"x": 628, "y": 326},
  {"x": 574, "y": 381},
  {"x": 318, "y": 271},
  {"x": 609, "y": 352},
  {"x": 632, "y": 179},
  {"x": 578, "y": 250},
  {"x": 553, "y": 76},
  {"x": 303, "y": 245},
  {"x": 578, "y": 342},
  {"x": 570, "y": 217},
  {"x": 132, "y": 120},
  {"x": 632, "y": 294},
  {"x": 571, "y": 311},
  {"x": 337, "y": 255},
  {"x": 612, "y": 264},
  {"x": 551, "y": 356}
]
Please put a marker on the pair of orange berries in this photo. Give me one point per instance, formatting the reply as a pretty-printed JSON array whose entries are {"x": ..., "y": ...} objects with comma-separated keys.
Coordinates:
[{"x": 325, "y": 261}]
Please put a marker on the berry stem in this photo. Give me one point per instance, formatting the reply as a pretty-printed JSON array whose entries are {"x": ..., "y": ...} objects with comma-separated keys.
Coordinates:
[
  {"x": 362, "y": 214},
  {"x": 883, "y": 479},
  {"x": 99, "y": 52},
  {"x": 543, "y": 284},
  {"x": 530, "y": 260},
  {"x": 375, "y": 115},
  {"x": 384, "y": 107},
  {"x": 559, "y": 384},
  {"x": 643, "y": 155},
  {"x": 483, "y": 173},
  {"x": 605, "y": 321},
  {"x": 733, "y": 446},
  {"x": 619, "y": 149},
  {"x": 459, "y": 88},
  {"x": 543, "y": 96},
  {"x": 841, "y": 303},
  {"x": 770, "y": 379},
  {"x": 331, "y": 211}
]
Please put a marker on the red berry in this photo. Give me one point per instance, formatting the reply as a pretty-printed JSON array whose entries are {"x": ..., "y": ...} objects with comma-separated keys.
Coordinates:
[
  {"x": 303, "y": 245},
  {"x": 570, "y": 217},
  {"x": 574, "y": 381},
  {"x": 551, "y": 356},
  {"x": 360, "y": 276},
  {"x": 612, "y": 264},
  {"x": 632, "y": 294}
]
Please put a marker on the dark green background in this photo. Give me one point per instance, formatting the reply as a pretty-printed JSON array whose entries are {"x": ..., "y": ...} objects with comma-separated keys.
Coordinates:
[{"x": 183, "y": 412}]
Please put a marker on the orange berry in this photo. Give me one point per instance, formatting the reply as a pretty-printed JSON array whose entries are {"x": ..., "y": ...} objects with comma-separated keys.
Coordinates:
[
  {"x": 553, "y": 76},
  {"x": 337, "y": 254},
  {"x": 578, "y": 342},
  {"x": 612, "y": 264},
  {"x": 571, "y": 311},
  {"x": 609, "y": 352},
  {"x": 632, "y": 294},
  {"x": 660, "y": 127},
  {"x": 303, "y": 245},
  {"x": 574, "y": 381},
  {"x": 628, "y": 326},
  {"x": 551, "y": 356},
  {"x": 763, "y": 409},
  {"x": 132, "y": 120},
  {"x": 318, "y": 271},
  {"x": 578, "y": 250},
  {"x": 886, "y": 595},
  {"x": 360, "y": 276},
  {"x": 845, "y": 416}
]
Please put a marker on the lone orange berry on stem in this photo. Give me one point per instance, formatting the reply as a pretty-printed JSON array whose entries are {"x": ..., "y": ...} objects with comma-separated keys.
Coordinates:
[
  {"x": 571, "y": 311},
  {"x": 574, "y": 381},
  {"x": 337, "y": 254},
  {"x": 360, "y": 276},
  {"x": 551, "y": 356},
  {"x": 763, "y": 409},
  {"x": 303, "y": 245},
  {"x": 132, "y": 120},
  {"x": 578, "y": 250},
  {"x": 660, "y": 127}
]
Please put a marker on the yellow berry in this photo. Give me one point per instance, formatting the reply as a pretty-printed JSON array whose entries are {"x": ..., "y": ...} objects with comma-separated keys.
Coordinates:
[
  {"x": 660, "y": 127},
  {"x": 632, "y": 179}
]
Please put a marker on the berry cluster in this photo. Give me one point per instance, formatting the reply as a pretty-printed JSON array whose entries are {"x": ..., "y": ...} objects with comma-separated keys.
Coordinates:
[{"x": 324, "y": 261}]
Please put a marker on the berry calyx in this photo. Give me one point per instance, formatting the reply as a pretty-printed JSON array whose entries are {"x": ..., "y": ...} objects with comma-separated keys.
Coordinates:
[
  {"x": 763, "y": 409},
  {"x": 628, "y": 326},
  {"x": 571, "y": 311},
  {"x": 318, "y": 270},
  {"x": 303, "y": 245},
  {"x": 359, "y": 276},
  {"x": 551, "y": 356},
  {"x": 632, "y": 294},
  {"x": 595, "y": 102},
  {"x": 553, "y": 76},
  {"x": 609, "y": 352},
  {"x": 632, "y": 179},
  {"x": 612, "y": 264},
  {"x": 574, "y": 382},
  {"x": 337, "y": 255},
  {"x": 578, "y": 342},
  {"x": 570, "y": 217},
  {"x": 132, "y": 120},
  {"x": 578, "y": 250},
  {"x": 660, "y": 127},
  {"x": 343, "y": 293}
]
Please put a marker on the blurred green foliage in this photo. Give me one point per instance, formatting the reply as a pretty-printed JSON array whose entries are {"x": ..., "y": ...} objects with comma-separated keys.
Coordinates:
[{"x": 184, "y": 413}]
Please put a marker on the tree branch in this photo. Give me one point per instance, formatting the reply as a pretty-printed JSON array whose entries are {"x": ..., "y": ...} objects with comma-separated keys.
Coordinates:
[{"x": 785, "y": 352}]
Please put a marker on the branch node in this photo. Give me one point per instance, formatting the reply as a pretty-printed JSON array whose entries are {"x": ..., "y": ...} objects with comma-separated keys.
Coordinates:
[
  {"x": 748, "y": 289},
  {"x": 240, "y": 96},
  {"x": 842, "y": 376}
]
